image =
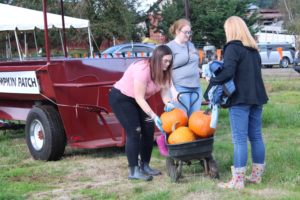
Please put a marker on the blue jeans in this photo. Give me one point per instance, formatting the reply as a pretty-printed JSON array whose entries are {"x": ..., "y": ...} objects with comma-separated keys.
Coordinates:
[
  {"x": 189, "y": 100},
  {"x": 246, "y": 122}
]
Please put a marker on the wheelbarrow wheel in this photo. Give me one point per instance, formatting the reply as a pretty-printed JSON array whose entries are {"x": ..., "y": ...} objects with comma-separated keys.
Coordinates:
[
  {"x": 213, "y": 169},
  {"x": 45, "y": 134},
  {"x": 174, "y": 169},
  {"x": 210, "y": 167}
]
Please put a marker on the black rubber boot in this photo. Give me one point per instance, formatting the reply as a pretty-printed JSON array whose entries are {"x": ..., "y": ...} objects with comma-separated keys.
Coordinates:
[
  {"x": 137, "y": 174},
  {"x": 146, "y": 169}
]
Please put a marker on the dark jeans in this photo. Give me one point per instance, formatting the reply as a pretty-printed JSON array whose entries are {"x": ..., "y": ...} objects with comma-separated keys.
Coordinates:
[{"x": 139, "y": 131}]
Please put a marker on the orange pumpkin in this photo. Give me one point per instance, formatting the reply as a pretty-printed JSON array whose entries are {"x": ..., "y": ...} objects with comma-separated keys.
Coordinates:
[
  {"x": 176, "y": 116},
  {"x": 181, "y": 135},
  {"x": 199, "y": 123}
]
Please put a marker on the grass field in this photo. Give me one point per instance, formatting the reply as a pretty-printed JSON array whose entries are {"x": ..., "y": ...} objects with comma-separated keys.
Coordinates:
[{"x": 101, "y": 174}]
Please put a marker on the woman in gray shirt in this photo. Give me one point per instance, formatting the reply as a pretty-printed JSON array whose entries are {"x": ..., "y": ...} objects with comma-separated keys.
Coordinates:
[{"x": 185, "y": 74}]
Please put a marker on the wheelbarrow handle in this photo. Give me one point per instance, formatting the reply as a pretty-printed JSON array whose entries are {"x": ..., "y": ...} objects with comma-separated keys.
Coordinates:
[
  {"x": 187, "y": 92},
  {"x": 165, "y": 136}
]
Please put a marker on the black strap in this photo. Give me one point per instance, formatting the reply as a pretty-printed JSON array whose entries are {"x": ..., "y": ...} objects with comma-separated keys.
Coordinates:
[{"x": 188, "y": 51}]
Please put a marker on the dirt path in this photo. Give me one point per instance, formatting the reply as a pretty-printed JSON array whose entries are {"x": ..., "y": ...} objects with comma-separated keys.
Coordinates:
[{"x": 280, "y": 72}]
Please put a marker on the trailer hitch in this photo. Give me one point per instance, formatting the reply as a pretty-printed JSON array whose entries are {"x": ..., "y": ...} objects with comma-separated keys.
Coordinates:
[{"x": 9, "y": 125}]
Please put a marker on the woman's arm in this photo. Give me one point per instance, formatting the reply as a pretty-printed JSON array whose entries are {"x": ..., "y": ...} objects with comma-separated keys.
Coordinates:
[
  {"x": 139, "y": 93},
  {"x": 174, "y": 92},
  {"x": 231, "y": 57},
  {"x": 165, "y": 95}
]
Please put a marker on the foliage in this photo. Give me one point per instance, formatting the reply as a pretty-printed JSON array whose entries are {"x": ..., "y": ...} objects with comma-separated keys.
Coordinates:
[
  {"x": 207, "y": 18},
  {"x": 170, "y": 13},
  {"x": 266, "y": 3},
  {"x": 108, "y": 19},
  {"x": 291, "y": 8},
  {"x": 115, "y": 19}
]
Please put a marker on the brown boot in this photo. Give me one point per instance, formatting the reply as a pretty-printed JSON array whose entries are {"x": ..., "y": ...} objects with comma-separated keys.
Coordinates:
[
  {"x": 257, "y": 171},
  {"x": 237, "y": 180}
]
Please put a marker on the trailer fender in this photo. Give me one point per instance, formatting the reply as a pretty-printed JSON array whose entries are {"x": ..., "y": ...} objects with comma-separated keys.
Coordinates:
[{"x": 45, "y": 134}]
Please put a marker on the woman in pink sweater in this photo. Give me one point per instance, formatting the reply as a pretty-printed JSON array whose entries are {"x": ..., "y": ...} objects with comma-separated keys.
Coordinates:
[{"x": 128, "y": 99}]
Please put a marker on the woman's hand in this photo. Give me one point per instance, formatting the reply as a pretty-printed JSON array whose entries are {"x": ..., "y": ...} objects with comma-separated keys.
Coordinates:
[
  {"x": 169, "y": 107},
  {"x": 157, "y": 122}
]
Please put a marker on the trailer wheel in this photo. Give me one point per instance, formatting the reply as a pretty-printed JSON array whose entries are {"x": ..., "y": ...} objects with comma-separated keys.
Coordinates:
[{"x": 45, "y": 134}]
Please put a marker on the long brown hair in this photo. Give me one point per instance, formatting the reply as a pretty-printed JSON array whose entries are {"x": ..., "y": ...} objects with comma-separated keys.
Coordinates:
[
  {"x": 236, "y": 29},
  {"x": 158, "y": 75}
]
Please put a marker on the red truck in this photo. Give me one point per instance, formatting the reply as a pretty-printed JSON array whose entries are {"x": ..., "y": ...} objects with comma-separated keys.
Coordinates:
[{"x": 63, "y": 101}]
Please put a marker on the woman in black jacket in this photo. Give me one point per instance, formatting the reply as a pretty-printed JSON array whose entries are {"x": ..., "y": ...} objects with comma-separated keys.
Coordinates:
[{"x": 242, "y": 62}]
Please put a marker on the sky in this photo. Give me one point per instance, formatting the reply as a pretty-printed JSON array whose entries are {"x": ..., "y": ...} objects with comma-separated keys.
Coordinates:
[{"x": 145, "y": 4}]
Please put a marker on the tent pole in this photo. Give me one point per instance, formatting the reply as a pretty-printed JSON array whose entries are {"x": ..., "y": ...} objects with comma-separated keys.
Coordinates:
[
  {"x": 62, "y": 42},
  {"x": 63, "y": 28},
  {"x": 90, "y": 41},
  {"x": 46, "y": 31},
  {"x": 35, "y": 42},
  {"x": 18, "y": 45},
  {"x": 25, "y": 45},
  {"x": 6, "y": 47},
  {"x": 9, "y": 46}
]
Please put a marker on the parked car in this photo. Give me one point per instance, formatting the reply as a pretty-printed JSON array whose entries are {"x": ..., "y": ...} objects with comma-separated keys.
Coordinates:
[
  {"x": 270, "y": 56},
  {"x": 133, "y": 48},
  {"x": 296, "y": 62},
  {"x": 296, "y": 59}
]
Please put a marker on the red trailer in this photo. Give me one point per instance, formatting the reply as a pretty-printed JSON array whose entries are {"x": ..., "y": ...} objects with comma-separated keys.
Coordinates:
[{"x": 64, "y": 101}]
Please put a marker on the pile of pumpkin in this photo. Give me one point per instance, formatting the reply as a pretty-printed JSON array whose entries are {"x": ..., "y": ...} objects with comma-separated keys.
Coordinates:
[{"x": 181, "y": 129}]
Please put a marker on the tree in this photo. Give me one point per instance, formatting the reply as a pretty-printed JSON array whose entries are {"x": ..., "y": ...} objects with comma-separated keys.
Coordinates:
[
  {"x": 267, "y": 3},
  {"x": 116, "y": 18},
  {"x": 291, "y": 10},
  {"x": 207, "y": 18},
  {"x": 108, "y": 19}
]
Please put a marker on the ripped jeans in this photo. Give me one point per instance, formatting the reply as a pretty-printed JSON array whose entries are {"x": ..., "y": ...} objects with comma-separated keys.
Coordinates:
[{"x": 139, "y": 131}]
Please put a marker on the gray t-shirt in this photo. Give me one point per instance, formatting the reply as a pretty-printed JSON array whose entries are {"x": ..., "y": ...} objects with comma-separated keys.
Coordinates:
[{"x": 187, "y": 75}]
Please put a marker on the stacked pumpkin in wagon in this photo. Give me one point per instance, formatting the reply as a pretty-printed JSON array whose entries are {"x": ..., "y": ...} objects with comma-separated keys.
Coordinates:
[
  {"x": 188, "y": 139},
  {"x": 181, "y": 129}
]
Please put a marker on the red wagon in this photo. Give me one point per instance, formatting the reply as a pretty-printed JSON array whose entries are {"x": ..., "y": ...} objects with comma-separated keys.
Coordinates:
[{"x": 64, "y": 102}]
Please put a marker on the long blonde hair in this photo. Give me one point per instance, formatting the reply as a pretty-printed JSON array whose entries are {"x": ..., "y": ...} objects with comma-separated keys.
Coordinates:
[
  {"x": 177, "y": 25},
  {"x": 236, "y": 29}
]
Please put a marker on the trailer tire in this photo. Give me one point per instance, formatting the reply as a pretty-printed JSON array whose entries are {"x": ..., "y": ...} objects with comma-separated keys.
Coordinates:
[{"x": 45, "y": 134}]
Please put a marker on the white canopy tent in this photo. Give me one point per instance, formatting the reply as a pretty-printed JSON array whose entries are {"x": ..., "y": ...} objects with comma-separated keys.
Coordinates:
[{"x": 13, "y": 17}]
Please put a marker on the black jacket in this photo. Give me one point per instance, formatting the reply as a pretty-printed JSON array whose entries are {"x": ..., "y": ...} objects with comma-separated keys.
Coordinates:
[{"x": 243, "y": 64}]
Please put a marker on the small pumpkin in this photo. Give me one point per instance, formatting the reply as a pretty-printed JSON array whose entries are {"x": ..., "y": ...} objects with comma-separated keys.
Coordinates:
[
  {"x": 199, "y": 123},
  {"x": 181, "y": 135},
  {"x": 176, "y": 116}
]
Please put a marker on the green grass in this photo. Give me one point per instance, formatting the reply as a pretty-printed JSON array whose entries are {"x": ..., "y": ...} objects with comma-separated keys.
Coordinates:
[
  {"x": 80, "y": 175},
  {"x": 98, "y": 194}
]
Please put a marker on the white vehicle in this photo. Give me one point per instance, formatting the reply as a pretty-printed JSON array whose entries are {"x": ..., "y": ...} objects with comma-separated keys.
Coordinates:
[{"x": 270, "y": 55}]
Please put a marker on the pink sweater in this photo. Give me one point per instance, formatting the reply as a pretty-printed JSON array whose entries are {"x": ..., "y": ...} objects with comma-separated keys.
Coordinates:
[{"x": 140, "y": 71}]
